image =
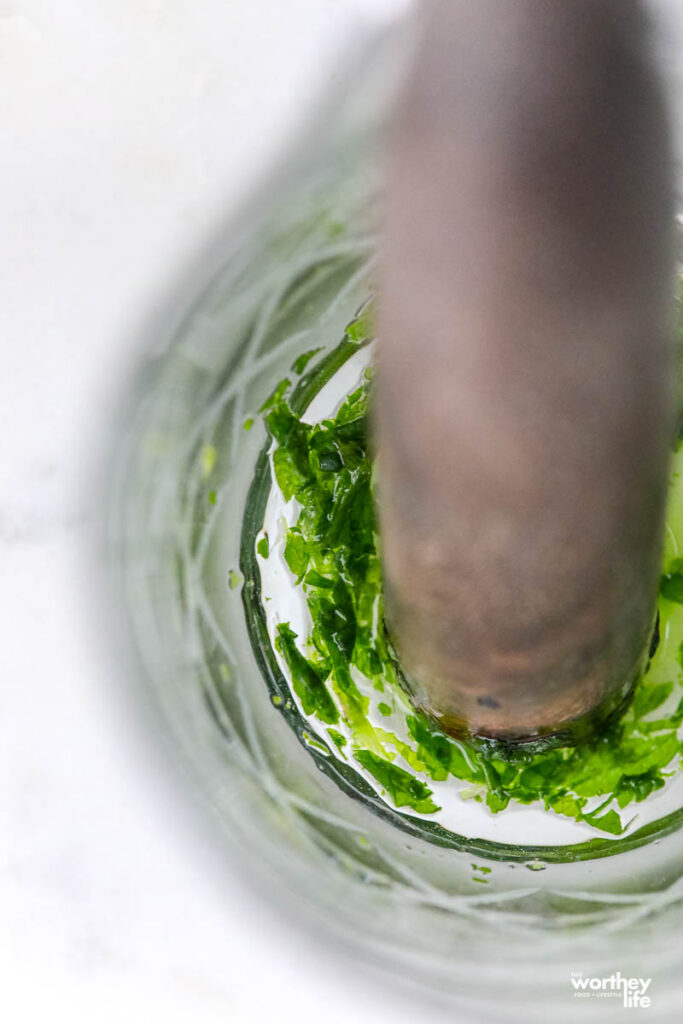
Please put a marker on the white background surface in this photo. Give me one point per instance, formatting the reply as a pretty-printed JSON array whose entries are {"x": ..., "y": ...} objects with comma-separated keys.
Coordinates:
[{"x": 128, "y": 126}]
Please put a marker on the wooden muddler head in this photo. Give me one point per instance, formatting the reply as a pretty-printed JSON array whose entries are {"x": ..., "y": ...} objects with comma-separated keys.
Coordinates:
[{"x": 525, "y": 403}]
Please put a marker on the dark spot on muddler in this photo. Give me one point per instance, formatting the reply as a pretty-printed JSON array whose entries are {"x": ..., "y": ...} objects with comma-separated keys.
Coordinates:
[{"x": 488, "y": 702}]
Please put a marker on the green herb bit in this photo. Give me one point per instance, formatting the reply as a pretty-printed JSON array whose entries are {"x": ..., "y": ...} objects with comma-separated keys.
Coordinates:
[
  {"x": 671, "y": 585},
  {"x": 405, "y": 790},
  {"x": 308, "y": 684},
  {"x": 296, "y": 554},
  {"x": 276, "y": 395},
  {"x": 263, "y": 546},
  {"x": 649, "y": 697},
  {"x": 302, "y": 361},
  {"x": 362, "y": 327},
  {"x": 337, "y": 738}
]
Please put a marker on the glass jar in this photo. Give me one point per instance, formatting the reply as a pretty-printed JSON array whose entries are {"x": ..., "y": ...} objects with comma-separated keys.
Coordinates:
[{"x": 185, "y": 504}]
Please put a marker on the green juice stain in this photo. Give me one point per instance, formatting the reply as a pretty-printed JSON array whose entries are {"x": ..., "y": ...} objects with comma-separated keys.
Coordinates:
[{"x": 332, "y": 552}]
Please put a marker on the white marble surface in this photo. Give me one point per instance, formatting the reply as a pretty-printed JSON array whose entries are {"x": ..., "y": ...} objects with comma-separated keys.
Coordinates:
[{"x": 128, "y": 126}]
